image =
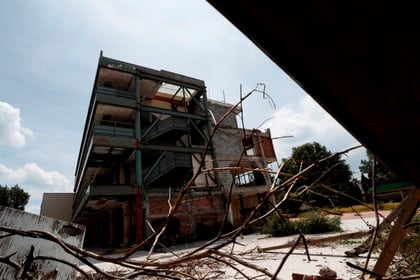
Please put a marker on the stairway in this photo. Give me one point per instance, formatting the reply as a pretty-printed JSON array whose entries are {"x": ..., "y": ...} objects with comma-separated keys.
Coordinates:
[
  {"x": 164, "y": 127},
  {"x": 165, "y": 164}
]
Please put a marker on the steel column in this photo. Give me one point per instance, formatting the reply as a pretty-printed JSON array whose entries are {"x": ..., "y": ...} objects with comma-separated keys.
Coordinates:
[{"x": 138, "y": 160}]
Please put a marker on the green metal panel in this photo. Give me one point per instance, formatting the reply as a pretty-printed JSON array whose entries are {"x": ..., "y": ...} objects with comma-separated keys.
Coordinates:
[
  {"x": 108, "y": 141},
  {"x": 391, "y": 187},
  {"x": 137, "y": 132},
  {"x": 115, "y": 100}
]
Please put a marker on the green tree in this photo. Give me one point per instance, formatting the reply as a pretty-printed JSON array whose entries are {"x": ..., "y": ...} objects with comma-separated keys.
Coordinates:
[
  {"x": 383, "y": 175},
  {"x": 338, "y": 178},
  {"x": 14, "y": 197}
]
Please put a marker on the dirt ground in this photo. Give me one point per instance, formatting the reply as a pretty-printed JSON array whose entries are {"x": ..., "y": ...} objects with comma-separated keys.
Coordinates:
[{"x": 331, "y": 255}]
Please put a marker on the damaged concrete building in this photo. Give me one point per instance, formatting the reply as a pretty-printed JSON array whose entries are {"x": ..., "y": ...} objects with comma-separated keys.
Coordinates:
[
  {"x": 146, "y": 133},
  {"x": 243, "y": 156}
]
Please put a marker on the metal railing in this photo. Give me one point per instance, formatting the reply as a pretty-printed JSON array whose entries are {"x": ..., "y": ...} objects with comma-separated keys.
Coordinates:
[{"x": 114, "y": 129}]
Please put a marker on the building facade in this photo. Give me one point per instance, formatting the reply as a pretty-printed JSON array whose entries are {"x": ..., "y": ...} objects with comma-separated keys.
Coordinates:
[{"x": 146, "y": 133}]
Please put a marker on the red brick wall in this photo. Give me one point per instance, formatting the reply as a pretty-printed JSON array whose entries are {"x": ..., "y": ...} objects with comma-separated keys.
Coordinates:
[
  {"x": 266, "y": 144},
  {"x": 196, "y": 210}
]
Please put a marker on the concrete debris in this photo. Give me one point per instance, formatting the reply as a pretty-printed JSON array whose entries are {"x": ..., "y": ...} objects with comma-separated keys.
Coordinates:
[{"x": 325, "y": 271}]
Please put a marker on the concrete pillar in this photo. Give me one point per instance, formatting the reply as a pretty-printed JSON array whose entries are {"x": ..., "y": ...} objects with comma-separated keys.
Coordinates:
[
  {"x": 111, "y": 216},
  {"x": 126, "y": 223}
]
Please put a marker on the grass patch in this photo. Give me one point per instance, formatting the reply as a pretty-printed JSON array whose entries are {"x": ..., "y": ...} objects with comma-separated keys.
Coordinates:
[
  {"x": 314, "y": 222},
  {"x": 364, "y": 208}
]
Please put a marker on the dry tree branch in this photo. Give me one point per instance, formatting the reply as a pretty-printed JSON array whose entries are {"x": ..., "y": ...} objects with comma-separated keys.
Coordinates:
[
  {"x": 23, "y": 272},
  {"x": 164, "y": 273},
  {"x": 352, "y": 198},
  {"x": 75, "y": 267},
  {"x": 237, "y": 168},
  {"x": 216, "y": 126},
  {"x": 70, "y": 249},
  {"x": 211, "y": 250},
  {"x": 414, "y": 276},
  {"x": 244, "y": 263},
  {"x": 286, "y": 257},
  {"x": 145, "y": 267},
  {"x": 160, "y": 244},
  {"x": 230, "y": 265},
  {"x": 154, "y": 267},
  {"x": 186, "y": 188},
  {"x": 292, "y": 179},
  {"x": 8, "y": 261},
  {"x": 364, "y": 270},
  {"x": 375, "y": 206},
  {"x": 158, "y": 235}
]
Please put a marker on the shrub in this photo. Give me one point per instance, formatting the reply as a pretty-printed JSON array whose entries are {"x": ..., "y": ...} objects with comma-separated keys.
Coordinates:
[
  {"x": 313, "y": 222},
  {"x": 277, "y": 226}
]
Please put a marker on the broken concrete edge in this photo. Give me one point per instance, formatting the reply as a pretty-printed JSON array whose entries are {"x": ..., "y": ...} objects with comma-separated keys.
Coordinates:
[{"x": 18, "y": 247}]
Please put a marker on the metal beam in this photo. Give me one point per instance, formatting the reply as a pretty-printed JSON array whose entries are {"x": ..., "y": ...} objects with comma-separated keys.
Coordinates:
[
  {"x": 187, "y": 150},
  {"x": 108, "y": 141},
  {"x": 139, "y": 202},
  {"x": 173, "y": 113},
  {"x": 79, "y": 204},
  {"x": 147, "y": 73},
  {"x": 80, "y": 170},
  {"x": 206, "y": 139},
  {"x": 155, "y": 122},
  {"x": 116, "y": 100},
  {"x": 195, "y": 100},
  {"x": 154, "y": 165},
  {"x": 152, "y": 91},
  {"x": 137, "y": 132}
]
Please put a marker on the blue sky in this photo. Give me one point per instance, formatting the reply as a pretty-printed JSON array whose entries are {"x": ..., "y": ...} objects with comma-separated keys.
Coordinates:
[{"x": 49, "y": 52}]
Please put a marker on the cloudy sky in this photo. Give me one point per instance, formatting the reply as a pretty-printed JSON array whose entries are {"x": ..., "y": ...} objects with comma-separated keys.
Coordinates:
[{"x": 49, "y": 52}]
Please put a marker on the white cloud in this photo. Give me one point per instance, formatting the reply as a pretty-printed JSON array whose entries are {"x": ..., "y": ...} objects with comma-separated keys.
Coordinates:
[
  {"x": 308, "y": 122},
  {"x": 13, "y": 134},
  {"x": 35, "y": 181}
]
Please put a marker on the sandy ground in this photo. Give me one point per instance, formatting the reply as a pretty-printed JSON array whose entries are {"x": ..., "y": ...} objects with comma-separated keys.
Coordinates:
[{"x": 331, "y": 255}]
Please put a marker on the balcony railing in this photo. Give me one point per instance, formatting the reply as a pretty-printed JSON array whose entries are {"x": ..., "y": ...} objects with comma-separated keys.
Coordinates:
[
  {"x": 114, "y": 129},
  {"x": 114, "y": 92}
]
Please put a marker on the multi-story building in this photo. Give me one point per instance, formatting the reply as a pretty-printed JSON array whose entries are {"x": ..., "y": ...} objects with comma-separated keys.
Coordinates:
[{"x": 145, "y": 135}]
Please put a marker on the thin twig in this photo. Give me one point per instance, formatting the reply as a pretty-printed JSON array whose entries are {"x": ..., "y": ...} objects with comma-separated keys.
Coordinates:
[
  {"x": 286, "y": 257},
  {"x": 75, "y": 267},
  {"x": 375, "y": 206}
]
